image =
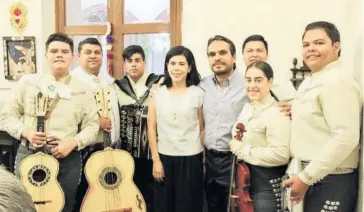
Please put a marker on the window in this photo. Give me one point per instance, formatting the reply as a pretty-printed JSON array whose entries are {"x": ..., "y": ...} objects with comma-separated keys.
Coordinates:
[
  {"x": 152, "y": 11},
  {"x": 155, "y": 25},
  {"x": 155, "y": 47},
  {"x": 83, "y": 12}
]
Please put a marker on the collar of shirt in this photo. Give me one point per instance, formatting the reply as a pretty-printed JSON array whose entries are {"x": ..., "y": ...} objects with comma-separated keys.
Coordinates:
[
  {"x": 95, "y": 81},
  {"x": 229, "y": 81},
  {"x": 93, "y": 77},
  {"x": 141, "y": 80},
  {"x": 52, "y": 86},
  {"x": 333, "y": 65},
  {"x": 139, "y": 86},
  {"x": 262, "y": 104},
  {"x": 50, "y": 77}
]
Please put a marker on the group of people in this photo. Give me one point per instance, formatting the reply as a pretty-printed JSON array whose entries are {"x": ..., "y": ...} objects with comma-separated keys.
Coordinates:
[{"x": 191, "y": 123}]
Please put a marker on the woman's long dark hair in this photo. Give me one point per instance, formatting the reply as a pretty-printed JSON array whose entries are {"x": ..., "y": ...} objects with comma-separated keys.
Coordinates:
[
  {"x": 266, "y": 69},
  {"x": 193, "y": 77}
]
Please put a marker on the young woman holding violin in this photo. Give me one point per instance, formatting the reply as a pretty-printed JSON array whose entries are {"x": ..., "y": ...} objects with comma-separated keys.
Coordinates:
[{"x": 264, "y": 146}]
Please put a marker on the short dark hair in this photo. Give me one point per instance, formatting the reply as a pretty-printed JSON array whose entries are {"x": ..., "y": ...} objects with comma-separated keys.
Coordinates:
[
  {"x": 330, "y": 29},
  {"x": 92, "y": 41},
  {"x": 266, "y": 69},
  {"x": 193, "y": 78},
  {"x": 133, "y": 49},
  {"x": 228, "y": 41},
  {"x": 255, "y": 38},
  {"x": 58, "y": 36}
]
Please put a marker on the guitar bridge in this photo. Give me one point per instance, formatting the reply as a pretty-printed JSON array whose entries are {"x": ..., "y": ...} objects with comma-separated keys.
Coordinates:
[
  {"x": 120, "y": 210},
  {"x": 42, "y": 202}
]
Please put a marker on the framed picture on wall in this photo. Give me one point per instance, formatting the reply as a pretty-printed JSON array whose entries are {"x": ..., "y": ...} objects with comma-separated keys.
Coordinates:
[{"x": 19, "y": 57}]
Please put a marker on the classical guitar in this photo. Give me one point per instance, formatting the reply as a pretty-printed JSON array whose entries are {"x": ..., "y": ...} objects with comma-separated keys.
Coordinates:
[
  {"x": 39, "y": 171},
  {"x": 109, "y": 174}
]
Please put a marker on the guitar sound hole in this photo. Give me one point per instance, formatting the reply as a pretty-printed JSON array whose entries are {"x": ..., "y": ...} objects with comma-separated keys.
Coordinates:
[
  {"x": 39, "y": 175},
  {"x": 110, "y": 178}
]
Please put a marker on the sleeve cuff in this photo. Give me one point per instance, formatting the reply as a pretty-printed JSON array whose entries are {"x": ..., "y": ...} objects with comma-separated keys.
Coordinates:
[
  {"x": 244, "y": 151},
  {"x": 306, "y": 178},
  {"x": 79, "y": 143},
  {"x": 18, "y": 134}
]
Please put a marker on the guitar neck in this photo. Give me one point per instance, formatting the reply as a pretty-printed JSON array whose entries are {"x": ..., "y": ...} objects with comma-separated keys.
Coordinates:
[
  {"x": 107, "y": 139},
  {"x": 40, "y": 123},
  {"x": 41, "y": 128}
]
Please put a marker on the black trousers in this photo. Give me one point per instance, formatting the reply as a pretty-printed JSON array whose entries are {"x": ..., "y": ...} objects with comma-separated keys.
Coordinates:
[
  {"x": 265, "y": 187},
  {"x": 182, "y": 187},
  {"x": 68, "y": 176},
  {"x": 335, "y": 193},
  {"x": 143, "y": 179},
  {"x": 217, "y": 179}
]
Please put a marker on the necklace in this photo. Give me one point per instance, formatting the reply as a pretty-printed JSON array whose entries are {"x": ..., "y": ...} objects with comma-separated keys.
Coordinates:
[
  {"x": 175, "y": 106},
  {"x": 177, "y": 103}
]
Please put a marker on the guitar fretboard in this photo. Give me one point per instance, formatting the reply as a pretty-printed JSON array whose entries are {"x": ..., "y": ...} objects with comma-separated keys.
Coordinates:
[
  {"x": 40, "y": 123},
  {"x": 107, "y": 139},
  {"x": 41, "y": 128}
]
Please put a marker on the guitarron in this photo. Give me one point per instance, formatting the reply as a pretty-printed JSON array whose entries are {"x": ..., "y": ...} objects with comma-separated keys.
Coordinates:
[
  {"x": 38, "y": 172},
  {"x": 109, "y": 174}
]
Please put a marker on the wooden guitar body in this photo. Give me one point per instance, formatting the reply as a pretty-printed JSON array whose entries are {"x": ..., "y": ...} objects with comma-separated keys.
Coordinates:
[
  {"x": 38, "y": 174},
  {"x": 111, "y": 187}
]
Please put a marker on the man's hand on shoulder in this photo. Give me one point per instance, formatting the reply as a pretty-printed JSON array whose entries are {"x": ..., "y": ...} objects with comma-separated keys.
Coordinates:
[
  {"x": 154, "y": 90},
  {"x": 285, "y": 107}
]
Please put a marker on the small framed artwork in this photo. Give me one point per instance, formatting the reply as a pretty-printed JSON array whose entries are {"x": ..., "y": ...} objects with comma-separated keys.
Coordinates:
[{"x": 19, "y": 57}]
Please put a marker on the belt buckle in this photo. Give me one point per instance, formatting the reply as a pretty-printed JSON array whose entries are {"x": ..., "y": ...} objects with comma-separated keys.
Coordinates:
[
  {"x": 214, "y": 151},
  {"x": 338, "y": 170},
  {"x": 342, "y": 171}
]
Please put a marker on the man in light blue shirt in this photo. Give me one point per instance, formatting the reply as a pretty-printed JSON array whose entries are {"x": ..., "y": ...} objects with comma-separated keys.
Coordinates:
[{"x": 224, "y": 99}]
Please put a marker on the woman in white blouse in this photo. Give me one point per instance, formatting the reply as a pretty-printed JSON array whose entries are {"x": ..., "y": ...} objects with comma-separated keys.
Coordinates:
[
  {"x": 265, "y": 144},
  {"x": 175, "y": 135}
]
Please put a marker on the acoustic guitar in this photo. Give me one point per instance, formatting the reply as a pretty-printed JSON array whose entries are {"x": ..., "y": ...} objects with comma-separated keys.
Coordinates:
[
  {"x": 39, "y": 171},
  {"x": 109, "y": 174}
]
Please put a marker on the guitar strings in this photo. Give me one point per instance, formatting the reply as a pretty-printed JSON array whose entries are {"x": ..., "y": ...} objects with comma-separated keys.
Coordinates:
[
  {"x": 110, "y": 175},
  {"x": 114, "y": 179}
]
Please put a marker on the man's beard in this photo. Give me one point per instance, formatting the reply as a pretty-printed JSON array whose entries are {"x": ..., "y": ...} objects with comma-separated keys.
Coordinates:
[{"x": 222, "y": 72}]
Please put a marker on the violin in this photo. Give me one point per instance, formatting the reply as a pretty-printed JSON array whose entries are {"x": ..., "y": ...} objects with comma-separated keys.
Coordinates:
[{"x": 239, "y": 198}]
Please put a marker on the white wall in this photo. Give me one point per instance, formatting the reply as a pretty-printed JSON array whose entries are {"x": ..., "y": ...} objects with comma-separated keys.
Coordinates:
[
  {"x": 280, "y": 22},
  {"x": 359, "y": 74},
  {"x": 41, "y": 23}
]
